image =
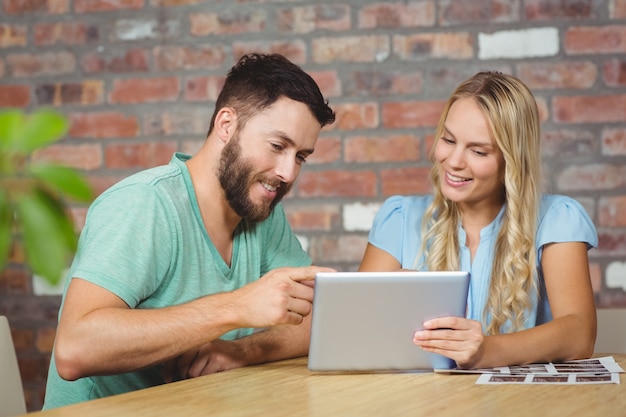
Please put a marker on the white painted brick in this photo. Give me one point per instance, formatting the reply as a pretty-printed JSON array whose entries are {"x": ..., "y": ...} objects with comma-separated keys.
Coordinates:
[
  {"x": 525, "y": 43},
  {"x": 358, "y": 216}
]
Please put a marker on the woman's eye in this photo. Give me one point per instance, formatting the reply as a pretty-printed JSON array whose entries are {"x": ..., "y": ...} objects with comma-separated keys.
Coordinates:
[
  {"x": 447, "y": 140},
  {"x": 277, "y": 146}
]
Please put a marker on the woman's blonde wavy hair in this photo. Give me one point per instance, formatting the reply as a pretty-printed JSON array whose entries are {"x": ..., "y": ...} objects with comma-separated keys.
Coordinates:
[{"x": 513, "y": 117}]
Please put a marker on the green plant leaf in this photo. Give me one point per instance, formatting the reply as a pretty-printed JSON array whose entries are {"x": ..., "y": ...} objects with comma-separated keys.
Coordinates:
[
  {"x": 63, "y": 180},
  {"x": 5, "y": 229},
  {"x": 47, "y": 232},
  {"x": 11, "y": 122},
  {"x": 42, "y": 128}
]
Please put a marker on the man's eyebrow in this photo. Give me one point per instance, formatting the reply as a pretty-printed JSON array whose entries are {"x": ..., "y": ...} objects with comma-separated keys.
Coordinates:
[{"x": 284, "y": 136}]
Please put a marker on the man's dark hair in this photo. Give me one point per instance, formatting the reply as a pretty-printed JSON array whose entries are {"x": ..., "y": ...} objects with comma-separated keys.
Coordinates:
[{"x": 258, "y": 80}]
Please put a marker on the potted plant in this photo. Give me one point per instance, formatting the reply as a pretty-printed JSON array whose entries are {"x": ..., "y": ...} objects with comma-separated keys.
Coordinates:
[{"x": 33, "y": 195}]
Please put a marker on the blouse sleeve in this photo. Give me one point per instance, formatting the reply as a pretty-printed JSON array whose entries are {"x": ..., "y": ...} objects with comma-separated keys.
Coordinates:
[
  {"x": 565, "y": 220},
  {"x": 386, "y": 232}
]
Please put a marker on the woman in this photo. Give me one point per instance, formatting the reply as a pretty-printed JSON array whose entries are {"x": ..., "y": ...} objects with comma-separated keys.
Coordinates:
[{"x": 530, "y": 298}]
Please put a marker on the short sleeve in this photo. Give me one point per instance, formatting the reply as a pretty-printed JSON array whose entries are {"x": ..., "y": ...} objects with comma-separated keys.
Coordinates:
[
  {"x": 564, "y": 219},
  {"x": 126, "y": 246},
  {"x": 386, "y": 232}
]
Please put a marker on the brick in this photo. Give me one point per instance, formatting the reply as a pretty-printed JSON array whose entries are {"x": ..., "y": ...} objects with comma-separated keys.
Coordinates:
[
  {"x": 173, "y": 3},
  {"x": 35, "y": 65},
  {"x": 100, "y": 183},
  {"x": 542, "y": 107},
  {"x": 335, "y": 183},
  {"x": 330, "y": 17},
  {"x": 327, "y": 150},
  {"x": 174, "y": 58},
  {"x": 228, "y": 22},
  {"x": 14, "y": 280},
  {"x": 65, "y": 33},
  {"x": 328, "y": 82},
  {"x": 79, "y": 214},
  {"x": 350, "y": 116},
  {"x": 178, "y": 121},
  {"x": 343, "y": 248},
  {"x": 611, "y": 242},
  {"x": 592, "y": 177},
  {"x": 89, "y": 6},
  {"x": 99, "y": 125},
  {"x": 383, "y": 83},
  {"x": 589, "y": 109},
  {"x": 294, "y": 50},
  {"x": 397, "y": 115},
  {"x": 617, "y": 9},
  {"x": 31, "y": 366},
  {"x": 45, "y": 339},
  {"x": 595, "y": 271},
  {"x": 568, "y": 143},
  {"x": 612, "y": 211},
  {"x": 138, "y": 155},
  {"x": 86, "y": 93},
  {"x": 203, "y": 88},
  {"x": 595, "y": 40},
  {"x": 528, "y": 43},
  {"x": 12, "y": 35},
  {"x": 14, "y": 95},
  {"x": 614, "y": 142},
  {"x": 558, "y": 75},
  {"x": 131, "y": 60},
  {"x": 358, "y": 217},
  {"x": 144, "y": 90},
  {"x": 322, "y": 217},
  {"x": 411, "y": 180},
  {"x": 375, "y": 48},
  {"x": 456, "y": 12},
  {"x": 191, "y": 146},
  {"x": 35, "y": 6},
  {"x": 146, "y": 29},
  {"x": 86, "y": 157},
  {"x": 440, "y": 82},
  {"x": 397, "y": 15},
  {"x": 614, "y": 72},
  {"x": 423, "y": 46},
  {"x": 22, "y": 338},
  {"x": 390, "y": 148},
  {"x": 553, "y": 10}
]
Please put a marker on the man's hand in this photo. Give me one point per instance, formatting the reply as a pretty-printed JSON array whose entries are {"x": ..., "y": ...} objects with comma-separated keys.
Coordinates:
[
  {"x": 216, "y": 356},
  {"x": 282, "y": 296}
]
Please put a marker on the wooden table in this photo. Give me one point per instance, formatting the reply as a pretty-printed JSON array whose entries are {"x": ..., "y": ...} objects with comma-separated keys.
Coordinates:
[{"x": 288, "y": 388}]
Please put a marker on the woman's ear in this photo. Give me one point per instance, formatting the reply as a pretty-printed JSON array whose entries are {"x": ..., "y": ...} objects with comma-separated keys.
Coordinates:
[{"x": 225, "y": 123}]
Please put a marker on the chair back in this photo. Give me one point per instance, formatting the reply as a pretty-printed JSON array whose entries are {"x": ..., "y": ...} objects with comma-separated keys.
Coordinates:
[
  {"x": 611, "y": 336},
  {"x": 11, "y": 390}
]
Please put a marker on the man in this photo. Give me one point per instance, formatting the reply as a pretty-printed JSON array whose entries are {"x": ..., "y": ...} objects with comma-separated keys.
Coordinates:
[{"x": 177, "y": 265}]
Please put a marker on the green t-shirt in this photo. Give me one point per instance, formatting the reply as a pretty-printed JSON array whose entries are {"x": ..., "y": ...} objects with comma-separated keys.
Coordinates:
[{"x": 144, "y": 241}]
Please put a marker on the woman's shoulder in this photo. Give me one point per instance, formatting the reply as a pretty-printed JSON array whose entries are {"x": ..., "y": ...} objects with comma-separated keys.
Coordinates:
[
  {"x": 564, "y": 219},
  {"x": 557, "y": 204}
]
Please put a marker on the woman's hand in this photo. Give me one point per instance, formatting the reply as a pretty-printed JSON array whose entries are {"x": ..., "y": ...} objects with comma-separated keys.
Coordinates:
[{"x": 457, "y": 338}]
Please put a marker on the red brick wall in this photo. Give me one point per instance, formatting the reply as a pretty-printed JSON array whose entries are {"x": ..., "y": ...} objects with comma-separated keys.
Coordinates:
[{"x": 138, "y": 80}]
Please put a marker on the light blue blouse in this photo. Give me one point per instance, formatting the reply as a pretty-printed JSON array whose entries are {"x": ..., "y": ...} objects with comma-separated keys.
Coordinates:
[{"x": 397, "y": 230}]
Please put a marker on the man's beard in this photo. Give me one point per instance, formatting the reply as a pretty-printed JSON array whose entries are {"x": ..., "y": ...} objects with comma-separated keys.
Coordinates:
[{"x": 236, "y": 178}]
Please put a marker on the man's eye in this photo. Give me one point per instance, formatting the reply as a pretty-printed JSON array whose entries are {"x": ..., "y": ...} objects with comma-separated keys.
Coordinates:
[{"x": 277, "y": 146}]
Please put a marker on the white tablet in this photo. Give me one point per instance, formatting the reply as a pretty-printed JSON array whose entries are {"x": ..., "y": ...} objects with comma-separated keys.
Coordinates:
[{"x": 365, "y": 321}]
